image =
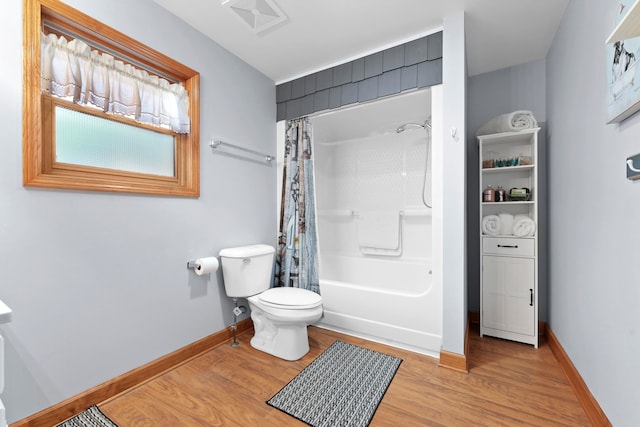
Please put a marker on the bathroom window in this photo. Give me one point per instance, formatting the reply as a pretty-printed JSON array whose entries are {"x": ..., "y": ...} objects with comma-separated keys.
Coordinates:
[{"x": 132, "y": 126}]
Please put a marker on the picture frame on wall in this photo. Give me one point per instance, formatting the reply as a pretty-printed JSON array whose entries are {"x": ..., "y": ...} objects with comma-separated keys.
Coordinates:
[{"x": 623, "y": 70}]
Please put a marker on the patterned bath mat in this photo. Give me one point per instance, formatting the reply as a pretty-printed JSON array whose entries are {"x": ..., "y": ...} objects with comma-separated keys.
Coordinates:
[
  {"x": 91, "y": 417},
  {"x": 341, "y": 387}
]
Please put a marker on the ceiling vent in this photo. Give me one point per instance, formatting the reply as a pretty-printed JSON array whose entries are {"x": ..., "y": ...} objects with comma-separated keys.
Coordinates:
[{"x": 258, "y": 14}]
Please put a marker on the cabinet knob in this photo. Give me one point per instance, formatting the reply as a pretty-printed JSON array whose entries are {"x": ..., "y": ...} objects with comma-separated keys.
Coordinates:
[
  {"x": 531, "y": 297},
  {"x": 508, "y": 246}
]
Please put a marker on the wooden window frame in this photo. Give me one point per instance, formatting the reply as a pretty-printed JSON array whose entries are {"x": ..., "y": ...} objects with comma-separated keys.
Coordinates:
[{"x": 38, "y": 128}]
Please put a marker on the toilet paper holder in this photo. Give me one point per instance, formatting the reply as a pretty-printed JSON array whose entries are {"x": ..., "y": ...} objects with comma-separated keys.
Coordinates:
[{"x": 204, "y": 265}]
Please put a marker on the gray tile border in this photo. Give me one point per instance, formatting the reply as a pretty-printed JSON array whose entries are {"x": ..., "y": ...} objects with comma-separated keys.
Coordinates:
[
  {"x": 368, "y": 89},
  {"x": 393, "y": 58},
  {"x": 357, "y": 70},
  {"x": 415, "y": 64},
  {"x": 342, "y": 74},
  {"x": 389, "y": 83},
  {"x": 349, "y": 94},
  {"x": 373, "y": 65}
]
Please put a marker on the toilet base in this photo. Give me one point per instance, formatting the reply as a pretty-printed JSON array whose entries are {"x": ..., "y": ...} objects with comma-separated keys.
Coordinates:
[{"x": 288, "y": 341}]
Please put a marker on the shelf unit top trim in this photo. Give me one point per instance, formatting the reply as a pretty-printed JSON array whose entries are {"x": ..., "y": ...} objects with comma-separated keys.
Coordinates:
[
  {"x": 503, "y": 137},
  {"x": 507, "y": 236},
  {"x": 508, "y": 169},
  {"x": 519, "y": 202}
]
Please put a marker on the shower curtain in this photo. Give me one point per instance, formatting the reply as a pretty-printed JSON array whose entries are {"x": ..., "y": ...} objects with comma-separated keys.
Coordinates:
[{"x": 297, "y": 254}]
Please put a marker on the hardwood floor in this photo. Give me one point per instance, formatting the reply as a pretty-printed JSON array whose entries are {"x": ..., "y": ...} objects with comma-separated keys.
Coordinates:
[{"x": 508, "y": 384}]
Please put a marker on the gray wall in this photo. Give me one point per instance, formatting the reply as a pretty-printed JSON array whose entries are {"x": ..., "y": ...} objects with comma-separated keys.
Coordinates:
[
  {"x": 594, "y": 212},
  {"x": 521, "y": 87},
  {"x": 97, "y": 281}
]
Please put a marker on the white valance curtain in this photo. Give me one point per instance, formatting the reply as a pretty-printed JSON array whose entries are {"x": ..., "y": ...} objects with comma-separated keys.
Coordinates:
[{"x": 72, "y": 69}]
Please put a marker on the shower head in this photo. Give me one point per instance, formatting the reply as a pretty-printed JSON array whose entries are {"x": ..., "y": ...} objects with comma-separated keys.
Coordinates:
[
  {"x": 404, "y": 127},
  {"x": 426, "y": 125}
]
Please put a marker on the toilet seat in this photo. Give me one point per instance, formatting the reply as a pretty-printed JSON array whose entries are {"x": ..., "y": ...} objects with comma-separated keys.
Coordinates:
[{"x": 288, "y": 298}]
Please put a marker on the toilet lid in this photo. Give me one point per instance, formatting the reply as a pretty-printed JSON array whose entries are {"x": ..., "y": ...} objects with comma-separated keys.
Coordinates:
[{"x": 293, "y": 298}]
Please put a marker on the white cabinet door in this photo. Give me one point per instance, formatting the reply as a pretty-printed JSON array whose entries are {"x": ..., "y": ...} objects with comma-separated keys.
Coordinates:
[{"x": 507, "y": 294}]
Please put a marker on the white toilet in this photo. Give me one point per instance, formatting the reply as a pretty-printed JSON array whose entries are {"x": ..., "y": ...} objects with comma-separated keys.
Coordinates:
[{"x": 280, "y": 315}]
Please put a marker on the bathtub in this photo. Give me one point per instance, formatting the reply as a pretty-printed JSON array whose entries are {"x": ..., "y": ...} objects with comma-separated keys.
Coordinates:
[
  {"x": 384, "y": 299},
  {"x": 364, "y": 166}
]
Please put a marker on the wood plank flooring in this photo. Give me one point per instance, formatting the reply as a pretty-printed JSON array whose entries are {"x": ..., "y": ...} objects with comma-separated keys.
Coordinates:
[{"x": 508, "y": 384}]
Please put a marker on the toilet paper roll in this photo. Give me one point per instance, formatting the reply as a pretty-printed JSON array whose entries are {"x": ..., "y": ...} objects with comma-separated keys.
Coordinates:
[{"x": 206, "y": 265}]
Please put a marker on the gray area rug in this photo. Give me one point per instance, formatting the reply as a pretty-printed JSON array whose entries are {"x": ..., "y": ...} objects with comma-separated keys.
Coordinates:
[
  {"x": 91, "y": 417},
  {"x": 341, "y": 387}
]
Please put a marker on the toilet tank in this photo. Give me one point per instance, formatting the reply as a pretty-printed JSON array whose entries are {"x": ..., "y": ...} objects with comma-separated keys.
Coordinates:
[{"x": 246, "y": 270}]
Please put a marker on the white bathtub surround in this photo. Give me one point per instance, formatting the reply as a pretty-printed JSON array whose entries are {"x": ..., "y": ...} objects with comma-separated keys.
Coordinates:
[
  {"x": 375, "y": 233},
  {"x": 391, "y": 301}
]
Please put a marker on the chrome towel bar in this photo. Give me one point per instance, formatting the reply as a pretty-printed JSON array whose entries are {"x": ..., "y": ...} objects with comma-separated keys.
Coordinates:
[{"x": 217, "y": 143}]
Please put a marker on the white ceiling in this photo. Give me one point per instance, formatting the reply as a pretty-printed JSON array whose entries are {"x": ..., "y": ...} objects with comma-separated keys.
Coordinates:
[{"x": 322, "y": 33}]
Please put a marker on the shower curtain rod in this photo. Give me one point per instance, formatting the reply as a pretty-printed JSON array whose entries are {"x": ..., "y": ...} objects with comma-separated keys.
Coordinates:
[{"x": 217, "y": 143}]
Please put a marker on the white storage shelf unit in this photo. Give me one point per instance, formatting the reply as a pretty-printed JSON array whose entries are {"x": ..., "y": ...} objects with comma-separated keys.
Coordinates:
[{"x": 509, "y": 264}]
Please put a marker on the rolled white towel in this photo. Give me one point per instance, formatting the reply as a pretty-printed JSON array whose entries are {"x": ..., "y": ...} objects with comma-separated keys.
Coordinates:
[
  {"x": 491, "y": 225},
  {"x": 506, "y": 223},
  {"x": 510, "y": 122},
  {"x": 523, "y": 226}
]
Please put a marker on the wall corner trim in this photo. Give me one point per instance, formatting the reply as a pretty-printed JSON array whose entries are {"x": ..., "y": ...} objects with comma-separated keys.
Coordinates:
[
  {"x": 99, "y": 394},
  {"x": 455, "y": 361},
  {"x": 589, "y": 403}
]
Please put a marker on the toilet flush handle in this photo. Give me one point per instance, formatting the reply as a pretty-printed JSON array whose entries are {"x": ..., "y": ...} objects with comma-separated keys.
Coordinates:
[{"x": 246, "y": 260}]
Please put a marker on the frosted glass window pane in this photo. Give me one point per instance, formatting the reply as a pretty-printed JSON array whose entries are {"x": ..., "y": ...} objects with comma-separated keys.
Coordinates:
[{"x": 83, "y": 139}]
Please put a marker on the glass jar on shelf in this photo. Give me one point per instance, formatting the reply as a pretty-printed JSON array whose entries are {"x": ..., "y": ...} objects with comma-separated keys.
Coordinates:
[
  {"x": 489, "y": 194},
  {"x": 524, "y": 159},
  {"x": 488, "y": 160}
]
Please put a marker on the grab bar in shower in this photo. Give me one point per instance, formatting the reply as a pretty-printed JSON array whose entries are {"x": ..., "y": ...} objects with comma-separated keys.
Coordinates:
[
  {"x": 354, "y": 213},
  {"x": 405, "y": 213},
  {"x": 336, "y": 212},
  {"x": 416, "y": 212},
  {"x": 217, "y": 143}
]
